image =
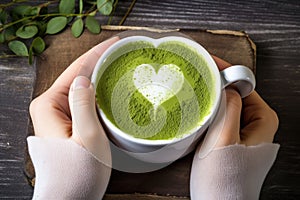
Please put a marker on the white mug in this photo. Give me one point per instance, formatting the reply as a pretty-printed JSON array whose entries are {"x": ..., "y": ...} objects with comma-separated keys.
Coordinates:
[{"x": 166, "y": 151}]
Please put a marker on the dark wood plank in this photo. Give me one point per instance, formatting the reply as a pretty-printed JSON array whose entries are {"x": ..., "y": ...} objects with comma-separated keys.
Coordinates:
[
  {"x": 137, "y": 196},
  {"x": 281, "y": 88},
  {"x": 16, "y": 83}
]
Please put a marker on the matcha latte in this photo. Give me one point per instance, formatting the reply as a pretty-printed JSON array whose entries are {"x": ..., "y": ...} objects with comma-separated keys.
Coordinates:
[{"x": 155, "y": 92}]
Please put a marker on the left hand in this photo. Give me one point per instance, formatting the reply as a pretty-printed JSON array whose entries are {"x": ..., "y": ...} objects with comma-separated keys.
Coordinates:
[{"x": 51, "y": 114}]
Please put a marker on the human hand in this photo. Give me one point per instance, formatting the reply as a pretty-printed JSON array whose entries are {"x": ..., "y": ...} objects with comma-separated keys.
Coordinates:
[
  {"x": 50, "y": 112},
  {"x": 248, "y": 121},
  {"x": 223, "y": 169},
  {"x": 64, "y": 115}
]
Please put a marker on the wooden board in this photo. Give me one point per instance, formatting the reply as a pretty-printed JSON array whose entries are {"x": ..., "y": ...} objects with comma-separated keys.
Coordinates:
[{"x": 235, "y": 47}]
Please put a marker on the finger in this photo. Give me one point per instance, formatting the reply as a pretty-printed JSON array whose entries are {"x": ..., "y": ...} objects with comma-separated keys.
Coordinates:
[
  {"x": 50, "y": 112},
  {"x": 222, "y": 64},
  {"x": 88, "y": 64},
  {"x": 254, "y": 99},
  {"x": 84, "y": 65},
  {"x": 86, "y": 128},
  {"x": 49, "y": 118},
  {"x": 230, "y": 133},
  {"x": 260, "y": 121}
]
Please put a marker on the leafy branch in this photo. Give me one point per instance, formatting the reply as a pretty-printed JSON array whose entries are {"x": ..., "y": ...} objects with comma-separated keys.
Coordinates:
[{"x": 23, "y": 26}]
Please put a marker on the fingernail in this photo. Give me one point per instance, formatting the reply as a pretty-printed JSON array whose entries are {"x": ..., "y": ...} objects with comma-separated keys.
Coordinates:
[{"x": 81, "y": 82}]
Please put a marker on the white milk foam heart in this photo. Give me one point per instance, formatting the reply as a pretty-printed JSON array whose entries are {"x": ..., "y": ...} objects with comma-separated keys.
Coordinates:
[{"x": 158, "y": 87}]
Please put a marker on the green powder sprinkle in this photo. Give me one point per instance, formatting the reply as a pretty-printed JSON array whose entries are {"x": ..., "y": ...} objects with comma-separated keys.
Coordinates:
[{"x": 181, "y": 113}]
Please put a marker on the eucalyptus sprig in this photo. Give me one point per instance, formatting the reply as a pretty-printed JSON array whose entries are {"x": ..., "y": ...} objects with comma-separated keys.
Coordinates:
[{"x": 23, "y": 26}]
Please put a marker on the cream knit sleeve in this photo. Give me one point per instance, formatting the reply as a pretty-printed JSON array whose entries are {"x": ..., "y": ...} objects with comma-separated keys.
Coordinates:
[
  {"x": 65, "y": 170},
  {"x": 232, "y": 172}
]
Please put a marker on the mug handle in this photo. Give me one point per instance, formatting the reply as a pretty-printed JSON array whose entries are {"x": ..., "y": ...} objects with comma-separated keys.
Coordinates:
[{"x": 239, "y": 76}]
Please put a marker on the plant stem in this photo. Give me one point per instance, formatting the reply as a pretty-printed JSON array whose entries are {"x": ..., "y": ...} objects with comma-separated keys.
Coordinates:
[
  {"x": 45, "y": 15},
  {"x": 112, "y": 13},
  {"x": 127, "y": 13}
]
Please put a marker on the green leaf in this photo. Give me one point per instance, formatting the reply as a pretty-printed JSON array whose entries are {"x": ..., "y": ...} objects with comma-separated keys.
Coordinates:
[
  {"x": 26, "y": 32},
  {"x": 3, "y": 16},
  {"x": 77, "y": 27},
  {"x": 66, "y": 6},
  {"x": 92, "y": 25},
  {"x": 93, "y": 13},
  {"x": 22, "y": 10},
  {"x": 34, "y": 11},
  {"x": 38, "y": 45},
  {"x": 42, "y": 26},
  {"x": 56, "y": 24},
  {"x": 9, "y": 33},
  {"x": 30, "y": 56},
  {"x": 2, "y": 37},
  {"x": 18, "y": 47},
  {"x": 105, "y": 6},
  {"x": 80, "y": 6}
]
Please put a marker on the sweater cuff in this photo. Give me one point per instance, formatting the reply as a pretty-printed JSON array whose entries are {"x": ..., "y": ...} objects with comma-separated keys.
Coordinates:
[
  {"x": 65, "y": 170},
  {"x": 232, "y": 172}
]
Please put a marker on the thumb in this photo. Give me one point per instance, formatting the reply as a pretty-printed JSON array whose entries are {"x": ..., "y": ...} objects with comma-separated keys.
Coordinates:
[
  {"x": 230, "y": 133},
  {"x": 86, "y": 128}
]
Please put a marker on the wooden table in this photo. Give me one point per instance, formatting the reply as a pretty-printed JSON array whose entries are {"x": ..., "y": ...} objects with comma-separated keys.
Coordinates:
[{"x": 273, "y": 25}]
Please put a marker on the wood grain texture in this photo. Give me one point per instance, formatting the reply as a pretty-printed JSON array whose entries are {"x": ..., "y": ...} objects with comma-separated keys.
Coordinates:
[
  {"x": 137, "y": 196},
  {"x": 274, "y": 26},
  {"x": 16, "y": 83}
]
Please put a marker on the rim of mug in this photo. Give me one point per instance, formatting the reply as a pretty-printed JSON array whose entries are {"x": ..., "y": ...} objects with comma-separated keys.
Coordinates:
[{"x": 191, "y": 43}]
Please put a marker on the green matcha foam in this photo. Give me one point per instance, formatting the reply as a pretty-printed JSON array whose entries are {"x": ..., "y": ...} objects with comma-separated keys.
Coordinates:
[{"x": 128, "y": 108}]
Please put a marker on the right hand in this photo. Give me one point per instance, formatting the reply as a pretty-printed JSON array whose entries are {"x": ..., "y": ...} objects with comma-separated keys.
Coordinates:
[{"x": 248, "y": 121}]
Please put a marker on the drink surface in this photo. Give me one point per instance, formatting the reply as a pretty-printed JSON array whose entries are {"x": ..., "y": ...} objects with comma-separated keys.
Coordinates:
[{"x": 155, "y": 93}]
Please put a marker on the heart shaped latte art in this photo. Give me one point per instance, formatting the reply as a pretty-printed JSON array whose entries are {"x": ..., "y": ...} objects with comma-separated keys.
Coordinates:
[{"x": 158, "y": 87}]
